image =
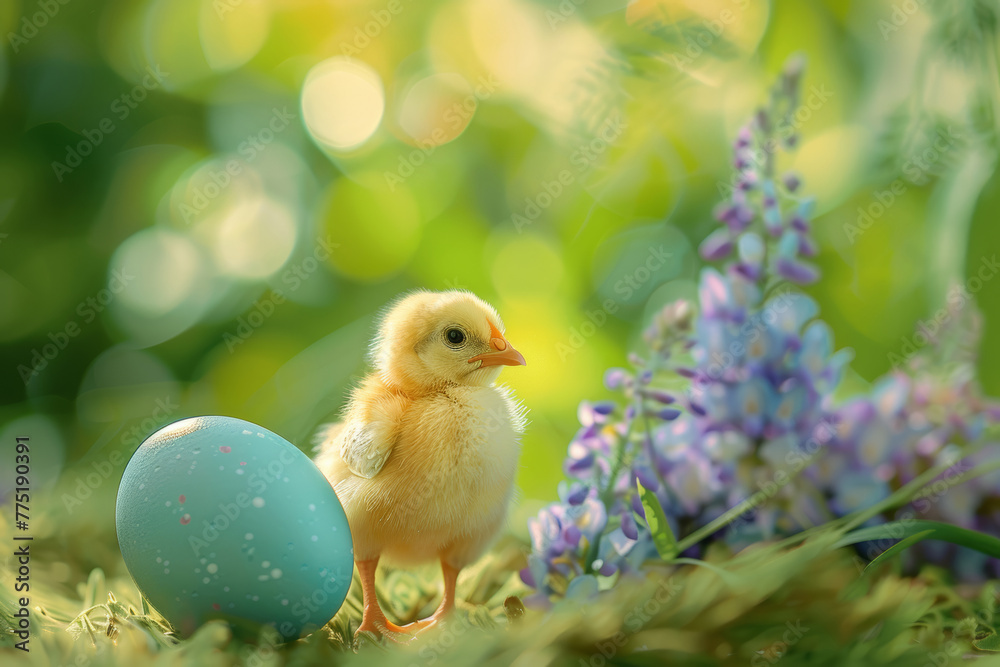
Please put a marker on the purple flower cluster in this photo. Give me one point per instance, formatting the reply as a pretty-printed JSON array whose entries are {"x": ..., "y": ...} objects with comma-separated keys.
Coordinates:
[
  {"x": 753, "y": 379},
  {"x": 929, "y": 414},
  {"x": 733, "y": 402}
]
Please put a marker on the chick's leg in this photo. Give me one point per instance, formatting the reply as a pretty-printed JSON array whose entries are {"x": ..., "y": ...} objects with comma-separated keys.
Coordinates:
[
  {"x": 374, "y": 619},
  {"x": 450, "y": 576}
]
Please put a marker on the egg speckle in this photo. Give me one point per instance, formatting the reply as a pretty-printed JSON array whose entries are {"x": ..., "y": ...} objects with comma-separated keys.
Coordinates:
[{"x": 192, "y": 534}]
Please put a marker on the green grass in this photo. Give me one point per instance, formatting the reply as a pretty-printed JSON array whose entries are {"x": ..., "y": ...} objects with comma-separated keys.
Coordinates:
[
  {"x": 804, "y": 600},
  {"x": 806, "y": 603}
]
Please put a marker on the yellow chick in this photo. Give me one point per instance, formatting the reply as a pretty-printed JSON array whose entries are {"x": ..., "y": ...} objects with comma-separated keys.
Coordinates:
[{"x": 425, "y": 458}]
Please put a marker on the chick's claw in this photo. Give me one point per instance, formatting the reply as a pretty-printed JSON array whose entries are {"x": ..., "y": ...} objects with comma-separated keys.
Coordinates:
[
  {"x": 421, "y": 626},
  {"x": 375, "y": 629},
  {"x": 416, "y": 626}
]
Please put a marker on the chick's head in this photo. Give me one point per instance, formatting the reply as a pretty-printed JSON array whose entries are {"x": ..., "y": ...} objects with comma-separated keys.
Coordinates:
[{"x": 427, "y": 339}]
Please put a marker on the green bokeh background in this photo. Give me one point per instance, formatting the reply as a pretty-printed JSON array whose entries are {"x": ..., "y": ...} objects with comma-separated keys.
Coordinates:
[{"x": 668, "y": 82}]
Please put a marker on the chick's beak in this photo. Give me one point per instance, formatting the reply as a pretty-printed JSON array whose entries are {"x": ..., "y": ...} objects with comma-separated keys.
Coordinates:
[{"x": 501, "y": 352}]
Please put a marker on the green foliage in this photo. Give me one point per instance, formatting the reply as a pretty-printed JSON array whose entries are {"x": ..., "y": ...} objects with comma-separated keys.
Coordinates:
[
  {"x": 900, "y": 530},
  {"x": 656, "y": 519},
  {"x": 807, "y": 604}
]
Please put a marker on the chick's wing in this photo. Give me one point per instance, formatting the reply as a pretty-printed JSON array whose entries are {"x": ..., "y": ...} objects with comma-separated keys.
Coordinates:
[{"x": 365, "y": 448}]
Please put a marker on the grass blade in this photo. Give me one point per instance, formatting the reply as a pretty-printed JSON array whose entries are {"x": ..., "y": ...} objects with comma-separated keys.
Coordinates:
[
  {"x": 897, "y": 530},
  {"x": 897, "y": 548},
  {"x": 663, "y": 537}
]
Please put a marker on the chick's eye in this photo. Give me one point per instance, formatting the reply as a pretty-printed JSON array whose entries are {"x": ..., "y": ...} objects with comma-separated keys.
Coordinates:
[{"x": 454, "y": 336}]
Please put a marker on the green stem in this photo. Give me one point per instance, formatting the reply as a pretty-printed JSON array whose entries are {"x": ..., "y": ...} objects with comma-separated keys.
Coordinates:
[
  {"x": 607, "y": 495},
  {"x": 903, "y": 495}
]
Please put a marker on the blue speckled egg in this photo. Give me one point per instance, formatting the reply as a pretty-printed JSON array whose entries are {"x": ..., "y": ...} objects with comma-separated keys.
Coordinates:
[{"x": 220, "y": 518}]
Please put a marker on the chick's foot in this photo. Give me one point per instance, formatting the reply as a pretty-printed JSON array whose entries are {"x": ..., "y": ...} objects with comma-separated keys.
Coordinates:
[{"x": 374, "y": 620}]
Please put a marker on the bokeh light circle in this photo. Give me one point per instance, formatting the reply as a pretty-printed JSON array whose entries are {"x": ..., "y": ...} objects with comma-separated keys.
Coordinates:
[
  {"x": 437, "y": 109},
  {"x": 232, "y": 34},
  {"x": 169, "y": 283},
  {"x": 343, "y": 102},
  {"x": 209, "y": 191},
  {"x": 124, "y": 383},
  {"x": 255, "y": 239},
  {"x": 158, "y": 268}
]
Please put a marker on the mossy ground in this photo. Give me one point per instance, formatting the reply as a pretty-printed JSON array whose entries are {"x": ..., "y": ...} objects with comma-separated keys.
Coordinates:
[{"x": 800, "y": 603}]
